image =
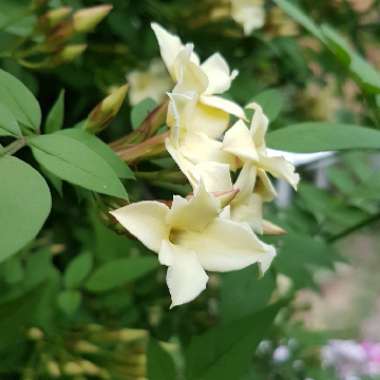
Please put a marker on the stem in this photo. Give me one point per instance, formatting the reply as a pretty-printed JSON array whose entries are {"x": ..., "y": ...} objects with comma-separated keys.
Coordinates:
[
  {"x": 13, "y": 147},
  {"x": 151, "y": 147},
  {"x": 358, "y": 226}
]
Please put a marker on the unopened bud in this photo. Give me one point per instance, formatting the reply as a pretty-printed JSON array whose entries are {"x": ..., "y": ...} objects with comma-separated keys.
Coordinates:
[
  {"x": 105, "y": 111},
  {"x": 86, "y": 19},
  {"x": 68, "y": 54},
  {"x": 34, "y": 333},
  {"x": 72, "y": 369},
  {"x": 270, "y": 228},
  {"x": 52, "y": 368},
  {"x": 85, "y": 347},
  {"x": 52, "y": 18},
  {"x": 89, "y": 368},
  {"x": 61, "y": 33},
  {"x": 128, "y": 335}
]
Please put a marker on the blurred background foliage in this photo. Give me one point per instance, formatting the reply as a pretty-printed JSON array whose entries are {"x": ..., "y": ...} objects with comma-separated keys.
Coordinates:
[{"x": 82, "y": 301}]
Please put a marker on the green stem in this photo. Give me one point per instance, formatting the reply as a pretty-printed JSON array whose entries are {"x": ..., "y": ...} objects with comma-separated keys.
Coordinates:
[
  {"x": 372, "y": 219},
  {"x": 13, "y": 147}
]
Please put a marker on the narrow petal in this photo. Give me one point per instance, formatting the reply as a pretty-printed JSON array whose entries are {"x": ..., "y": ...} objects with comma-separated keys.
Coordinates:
[
  {"x": 245, "y": 182},
  {"x": 185, "y": 277},
  {"x": 190, "y": 77},
  {"x": 209, "y": 120},
  {"x": 266, "y": 259},
  {"x": 146, "y": 221},
  {"x": 264, "y": 186},
  {"x": 194, "y": 214},
  {"x": 224, "y": 245},
  {"x": 224, "y": 105},
  {"x": 218, "y": 73},
  {"x": 170, "y": 45},
  {"x": 280, "y": 168},
  {"x": 259, "y": 126},
  {"x": 238, "y": 141}
]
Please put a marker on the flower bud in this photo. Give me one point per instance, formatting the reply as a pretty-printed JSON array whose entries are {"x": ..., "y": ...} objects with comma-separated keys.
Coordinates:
[
  {"x": 85, "y": 347},
  {"x": 86, "y": 19},
  {"x": 105, "y": 111},
  {"x": 52, "y": 369},
  {"x": 61, "y": 33},
  {"x": 72, "y": 369},
  {"x": 68, "y": 54},
  {"x": 34, "y": 333},
  {"x": 89, "y": 368},
  {"x": 52, "y": 18},
  {"x": 270, "y": 228}
]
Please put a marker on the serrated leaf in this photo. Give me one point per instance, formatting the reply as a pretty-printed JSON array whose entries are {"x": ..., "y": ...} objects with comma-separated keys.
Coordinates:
[
  {"x": 74, "y": 162},
  {"x": 119, "y": 272},
  {"x": 319, "y": 136},
  {"x": 8, "y": 123},
  {"x": 25, "y": 203},
  {"x": 98, "y": 146},
  {"x": 160, "y": 364},
  {"x": 77, "y": 270},
  {"x": 69, "y": 301},
  {"x": 141, "y": 110},
  {"x": 54, "y": 120},
  {"x": 225, "y": 352},
  {"x": 19, "y": 100}
]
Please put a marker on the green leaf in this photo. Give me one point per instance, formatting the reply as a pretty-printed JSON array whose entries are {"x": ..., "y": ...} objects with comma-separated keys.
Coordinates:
[
  {"x": 98, "y": 146},
  {"x": 295, "y": 13},
  {"x": 69, "y": 301},
  {"x": 78, "y": 269},
  {"x": 54, "y": 120},
  {"x": 160, "y": 364},
  {"x": 25, "y": 203},
  {"x": 8, "y": 123},
  {"x": 141, "y": 110},
  {"x": 243, "y": 293},
  {"x": 365, "y": 74},
  {"x": 19, "y": 100},
  {"x": 225, "y": 352},
  {"x": 271, "y": 101},
  {"x": 74, "y": 162},
  {"x": 320, "y": 136},
  {"x": 119, "y": 272}
]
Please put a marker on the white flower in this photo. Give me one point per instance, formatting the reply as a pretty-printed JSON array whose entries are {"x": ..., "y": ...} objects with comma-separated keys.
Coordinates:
[
  {"x": 250, "y": 14},
  {"x": 249, "y": 146},
  {"x": 191, "y": 237},
  {"x": 200, "y": 83},
  {"x": 151, "y": 83}
]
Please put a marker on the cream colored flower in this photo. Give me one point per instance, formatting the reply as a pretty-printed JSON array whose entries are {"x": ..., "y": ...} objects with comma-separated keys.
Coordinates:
[
  {"x": 191, "y": 237},
  {"x": 250, "y": 14},
  {"x": 151, "y": 83},
  {"x": 249, "y": 146},
  {"x": 201, "y": 82}
]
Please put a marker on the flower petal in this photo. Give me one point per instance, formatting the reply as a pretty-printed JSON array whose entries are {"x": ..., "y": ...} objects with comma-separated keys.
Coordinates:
[
  {"x": 250, "y": 211},
  {"x": 280, "y": 168},
  {"x": 238, "y": 141},
  {"x": 224, "y": 105},
  {"x": 185, "y": 277},
  {"x": 146, "y": 221},
  {"x": 194, "y": 214},
  {"x": 264, "y": 186},
  {"x": 198, "y": 147},
  {"x": 190, "y": 77},
  {"x": 216, "y": 176},
  {"x": 259, "y": 126},
  {"x": 170, "y": 46},
  {"x": 209, "y": 120},
  {"x": 218, "y": 73},
  {"x": 224, "y": 245}
]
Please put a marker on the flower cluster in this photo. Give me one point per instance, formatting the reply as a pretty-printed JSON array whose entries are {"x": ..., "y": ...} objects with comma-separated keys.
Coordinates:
[{"x": 214, "y": 229}]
